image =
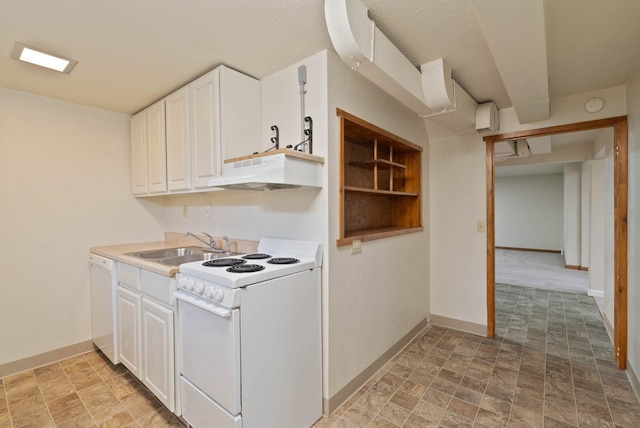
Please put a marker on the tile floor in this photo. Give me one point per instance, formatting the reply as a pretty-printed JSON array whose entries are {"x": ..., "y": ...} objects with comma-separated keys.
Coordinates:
[
  {"x": 83, "y": 391},
  {"x": 550, "y": 365}
]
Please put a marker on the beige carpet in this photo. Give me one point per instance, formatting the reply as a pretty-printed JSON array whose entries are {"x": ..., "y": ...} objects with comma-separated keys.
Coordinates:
[{"x": 539, "y": 270}]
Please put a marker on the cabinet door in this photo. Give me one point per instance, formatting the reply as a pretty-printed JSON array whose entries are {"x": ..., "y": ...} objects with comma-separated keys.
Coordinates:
[
  {"x": 158, "y": 352},
  {"x": 205, "y": 129},
  {"x": 239, "y": 114},
  {"x": 129, "y": 307},
  {"x": 139, "y": 153},
  {"x": 177, "y": 128},
  {"x": 156, "y": 149}
]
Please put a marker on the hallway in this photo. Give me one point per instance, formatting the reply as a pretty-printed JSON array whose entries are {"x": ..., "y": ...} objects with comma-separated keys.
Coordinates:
[{"x": 550, "y": 365}]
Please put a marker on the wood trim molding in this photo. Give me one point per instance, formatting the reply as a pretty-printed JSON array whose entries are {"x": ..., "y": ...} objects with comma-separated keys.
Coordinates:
[
  {"x": 560, "y": 129},
  {"x": 620, "y": 207},
  {"x": 620, "y": 130},
  {"x": 491, "y": 243}
]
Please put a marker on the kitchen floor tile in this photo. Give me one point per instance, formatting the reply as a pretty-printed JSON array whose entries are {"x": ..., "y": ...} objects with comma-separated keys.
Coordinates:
[
  {"x": 550, "y": 365},
  {"x": 83, "y": 391}
]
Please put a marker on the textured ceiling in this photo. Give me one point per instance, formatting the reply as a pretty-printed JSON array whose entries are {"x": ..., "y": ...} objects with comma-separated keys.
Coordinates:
[{"x": 132, "y": 53}]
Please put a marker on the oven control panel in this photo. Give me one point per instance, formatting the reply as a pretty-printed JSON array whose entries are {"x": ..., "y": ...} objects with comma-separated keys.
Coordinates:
[{"x": 210, "y": 291}]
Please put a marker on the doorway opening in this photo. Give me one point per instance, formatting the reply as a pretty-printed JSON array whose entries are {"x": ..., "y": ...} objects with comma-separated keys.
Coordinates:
[{"x": 620, "y": 174}]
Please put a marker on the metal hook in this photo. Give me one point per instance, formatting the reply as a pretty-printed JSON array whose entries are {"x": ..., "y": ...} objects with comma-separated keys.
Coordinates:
[
  {"x": 309, "y": 132},
  {"x": 274, "y": 140}
]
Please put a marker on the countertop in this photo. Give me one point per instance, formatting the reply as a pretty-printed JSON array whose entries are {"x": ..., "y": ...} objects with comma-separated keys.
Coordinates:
[{"x": 172, "y": 240}]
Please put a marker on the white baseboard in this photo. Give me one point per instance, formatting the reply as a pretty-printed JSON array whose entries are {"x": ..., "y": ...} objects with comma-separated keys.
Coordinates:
[
  {"x": 595, "y": 293},
  {"x": 45, "y": 358},
  {"x": 465, "y": 326},
  {"x": 339, "y": 398},
  {"x": 633, "y": 380}
]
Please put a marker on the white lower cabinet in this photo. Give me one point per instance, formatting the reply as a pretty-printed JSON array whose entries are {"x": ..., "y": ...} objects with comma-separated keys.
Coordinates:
[
  {"x": 158, "y": 370},
  {"x": 129, "y": 340},
  {"x": 146, "y": 330}
]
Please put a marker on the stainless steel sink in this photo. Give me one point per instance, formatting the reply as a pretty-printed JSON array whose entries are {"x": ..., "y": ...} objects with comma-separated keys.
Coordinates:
[
  {"x": 169, "y": 252},
  {"x": 177, "y": 256}
]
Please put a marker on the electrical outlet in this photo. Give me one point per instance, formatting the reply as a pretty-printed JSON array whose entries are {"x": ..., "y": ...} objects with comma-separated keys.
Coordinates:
[
  {"x": 481, "y": 226},
  {"x": 356, "y": 246}
]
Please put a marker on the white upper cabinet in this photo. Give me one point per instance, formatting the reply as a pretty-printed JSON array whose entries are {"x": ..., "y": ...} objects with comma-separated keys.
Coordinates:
[
  {"x": 139, "y": 153},
  {"x": 205, "y": 128},
  {"x": 156, "y": 149},
  {"x": 240, "y": 110},
  {"x": 188, "y": 135},
  {"x": 148, "y": 151},
  {"x": 178, "y": 150}
]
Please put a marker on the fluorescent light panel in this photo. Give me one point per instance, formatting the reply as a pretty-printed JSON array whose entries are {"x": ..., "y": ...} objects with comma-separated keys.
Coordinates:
[{"x": 34, "y": 56}]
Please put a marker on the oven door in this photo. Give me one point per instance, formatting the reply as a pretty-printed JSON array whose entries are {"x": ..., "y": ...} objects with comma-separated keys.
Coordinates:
[{"x": 209, "y": 350}]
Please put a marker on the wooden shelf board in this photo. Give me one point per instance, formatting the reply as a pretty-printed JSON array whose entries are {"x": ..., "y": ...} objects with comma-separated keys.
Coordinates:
[
  {"x": 373, "y": 234},
  {"x": 378, "y": 192},
  {"x": 381, "y": 163}
]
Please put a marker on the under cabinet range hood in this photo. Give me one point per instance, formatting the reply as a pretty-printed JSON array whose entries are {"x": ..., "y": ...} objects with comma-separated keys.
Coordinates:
[{"x": 279, "y": 169}]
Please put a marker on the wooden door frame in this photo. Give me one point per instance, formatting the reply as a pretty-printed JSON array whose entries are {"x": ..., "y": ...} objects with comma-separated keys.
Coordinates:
[{"x": 620, "y": 204}]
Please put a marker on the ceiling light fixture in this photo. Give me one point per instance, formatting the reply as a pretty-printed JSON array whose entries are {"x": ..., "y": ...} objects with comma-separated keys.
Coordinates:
[{"x": 38, "y": 57}]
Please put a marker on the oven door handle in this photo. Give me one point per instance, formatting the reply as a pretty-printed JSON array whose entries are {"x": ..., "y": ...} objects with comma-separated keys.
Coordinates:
[{"x": 209, "y": 307}]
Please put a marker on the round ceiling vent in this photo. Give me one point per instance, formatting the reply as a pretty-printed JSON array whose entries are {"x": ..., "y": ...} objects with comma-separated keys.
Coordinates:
[{"x": 594, "y": 105}]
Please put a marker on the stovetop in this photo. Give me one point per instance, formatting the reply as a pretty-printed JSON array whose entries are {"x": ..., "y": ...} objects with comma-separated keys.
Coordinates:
[{"x": 274, "y": 258}]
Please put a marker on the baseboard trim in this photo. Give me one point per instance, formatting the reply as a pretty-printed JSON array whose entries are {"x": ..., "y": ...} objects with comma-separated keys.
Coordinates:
[
  {"x": 607, "y": 326},
  {"x": 633, "y": 380},
  {"x": 595, "y": 293},
  {"x": 456, "y": 324},
  {"x": 584, "y": 268},
  {"x": 45, "y": 358},
  {"x": 574, "y": 267},
  {"x": 537, "y": 250},
  {"x": 332, "y": 404}
]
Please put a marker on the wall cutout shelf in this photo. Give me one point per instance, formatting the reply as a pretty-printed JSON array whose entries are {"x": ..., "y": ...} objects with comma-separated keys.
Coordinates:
[{"x": 379, "y": 182}]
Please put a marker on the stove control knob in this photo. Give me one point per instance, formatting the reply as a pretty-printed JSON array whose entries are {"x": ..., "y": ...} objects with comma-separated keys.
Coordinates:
[
  {"x": 189, "y": 283},
  {"x": 218, "y": 294},
  {"x": 208, "y": 292},
  {"x": 199, "y": 287},
  {"x": 182, "y": 282}
]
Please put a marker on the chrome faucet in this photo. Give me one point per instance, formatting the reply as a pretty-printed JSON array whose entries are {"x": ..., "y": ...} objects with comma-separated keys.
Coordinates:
[
  {"x": 211, "y": 243},
  {"x": 227, "y": 242}
]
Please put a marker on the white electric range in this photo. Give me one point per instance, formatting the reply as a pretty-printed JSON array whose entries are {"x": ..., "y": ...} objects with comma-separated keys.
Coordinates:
[{"x": 249, "y": 338}]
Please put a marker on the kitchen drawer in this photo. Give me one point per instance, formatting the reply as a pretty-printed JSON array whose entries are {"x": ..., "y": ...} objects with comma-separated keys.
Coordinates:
[
  {"x": 201, "y": 411},
  {"x": 129, "y": 276},
  {"x": 158, "y": 287}
]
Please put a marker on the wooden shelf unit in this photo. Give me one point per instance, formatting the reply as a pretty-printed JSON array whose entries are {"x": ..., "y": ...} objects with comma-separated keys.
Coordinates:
[{"x": 380, "y": 177}]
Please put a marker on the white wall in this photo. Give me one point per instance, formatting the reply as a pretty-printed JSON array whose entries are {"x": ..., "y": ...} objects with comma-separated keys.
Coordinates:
[
  {"x": 457, "y": 199},
  {"x": 597, "y": 225},
  {"x": 64, "y": 187},
  {"x": 609, "y": 235},
  {"x": 633, "y": 95},
  {"x": 572, "y": 214},
  {"x": 376, "y": 297},
  {"x": 585, "y": 229},
  {"x": 529, "y": 211}
]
